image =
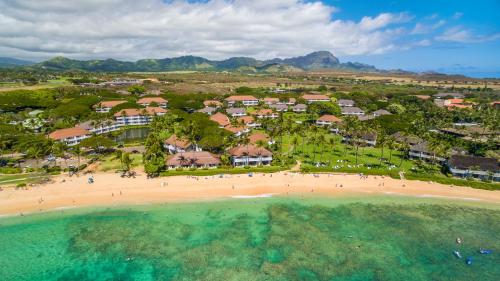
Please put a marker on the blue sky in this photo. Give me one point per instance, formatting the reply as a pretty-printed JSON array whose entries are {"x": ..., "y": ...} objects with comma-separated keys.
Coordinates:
[
  {"x": 446, "y": 36},
  {"x": 477, "y": 57}
]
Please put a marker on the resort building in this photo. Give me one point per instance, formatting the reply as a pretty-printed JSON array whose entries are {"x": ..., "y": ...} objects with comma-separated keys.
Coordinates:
[
  {"x": 220, "y": 119},
  {"x": 369, "y": 139},
  {"x": 245, "y": 100},
  {"x": 290, "y": 101},
  {"x": 445, "y": 95},
  {"x": 380, "y": 112},
  {"x": 99, "y": 128},
  {"x": 422, "y": 151},
  {"x": 299, "y": 108},
  {"x": 106, "y": 106},
  {"x": 250, "y": 155},
  {"x": 175, "y": 144},
  {"x": 270, "y": 101},
  {"x": 237, "y": 130},
  {"x": 474, "y": 167},
  {"x": 345, "y": 103},
  {"x": 249, "y": 121},
  {"x": 279, "y": 107},
  {"x": 408, "y": 139},
  {"x": 256, "y": 137},
  {"x": 266, "y": 113},
  {"x": 193, "y": 159},
  {"x": 134, "y": 116},
  {"x": 236, "y": 111},
  {"x": 160, "y": 102},
  {"x": 316, "y": 98},
  {"x": 327, "y": 120},
  {"x": 353, "y": 111},
  {"x": 70, "y": 136},
  {"x": 212, "y": 103},
  {"x": 207, "y": 110}
]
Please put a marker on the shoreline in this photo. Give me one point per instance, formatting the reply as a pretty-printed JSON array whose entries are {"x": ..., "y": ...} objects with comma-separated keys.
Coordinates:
[{"x": 109, "y": 189}]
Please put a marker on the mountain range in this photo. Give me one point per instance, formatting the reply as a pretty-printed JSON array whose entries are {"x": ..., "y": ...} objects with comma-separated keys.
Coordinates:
[
  {"x": 313, "y": 61},
  {"x": 12, "y": 62}
]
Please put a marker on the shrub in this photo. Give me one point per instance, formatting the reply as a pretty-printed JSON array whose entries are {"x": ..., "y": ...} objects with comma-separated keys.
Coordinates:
[{"x": 10, "y": 170}]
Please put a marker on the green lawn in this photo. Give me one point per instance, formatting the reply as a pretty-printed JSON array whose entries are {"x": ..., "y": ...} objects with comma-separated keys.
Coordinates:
[
  {"x": 342, "y": 158},
  {"x": 211, "y": 172},
  {"x": 19, "y": 178},
  {"x": 109, "y": 163}
]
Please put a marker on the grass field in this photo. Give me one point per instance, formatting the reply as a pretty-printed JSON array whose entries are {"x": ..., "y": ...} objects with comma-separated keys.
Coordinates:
[
  {"x": 110, "y": 162},
  {"x": 20, "y": 86}
]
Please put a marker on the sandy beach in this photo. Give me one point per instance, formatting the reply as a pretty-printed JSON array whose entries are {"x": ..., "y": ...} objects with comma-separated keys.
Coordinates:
[{"x": 109, "y": 189}]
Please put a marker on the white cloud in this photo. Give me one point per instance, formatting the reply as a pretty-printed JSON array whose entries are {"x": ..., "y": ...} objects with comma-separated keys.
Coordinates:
[
  {"x": 130, "y": 29},
  {"x": 457, "y": 15},
  {"x": 461, "y": 35},
  {"x": 421, "y": 28}
]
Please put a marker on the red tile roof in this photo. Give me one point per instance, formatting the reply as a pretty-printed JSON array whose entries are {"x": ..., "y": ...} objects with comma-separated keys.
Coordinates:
[
  {"x": 246, "y": 119},
  {"x": 233, "y": 129},
  {"x": 329, "y": 118},
  {"x": 249, "y": 150},
  {"x": 212, "y": 102},
  {"x": 193, "y": 158},
  {"x": 140, "y": 111},
  {"x": 111, "y": 103},
  {"x": 68, "y": 133},
  {"x": 241, "y": 98},
  {"x": 271, "y": 100},
  {"x": 254, "y": 138},
  {"x": 220, "y": 118},
  {"x": 315, "y": 97},
  {"x": 152, "y": 99},
  {"x": 264, "y": 112},
  {"x": 178, "y": 142}
]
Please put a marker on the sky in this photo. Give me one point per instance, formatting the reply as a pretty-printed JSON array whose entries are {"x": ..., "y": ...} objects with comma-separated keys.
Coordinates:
[{"x": 449, "y": 36}]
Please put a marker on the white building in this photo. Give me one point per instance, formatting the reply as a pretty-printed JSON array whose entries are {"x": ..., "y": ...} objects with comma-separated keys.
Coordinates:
[
  {"x": 135, "y": 117},
  {"x": 70, "y": 136},
  {"x": 250, "y": 155},
  {"x": 355, "y": 111},
  {"x": 245, "y": 100},
  {"x": 100, "y": 127},
  {"x": 161, "y": 102},
  {"x": 106, "y": 106}
]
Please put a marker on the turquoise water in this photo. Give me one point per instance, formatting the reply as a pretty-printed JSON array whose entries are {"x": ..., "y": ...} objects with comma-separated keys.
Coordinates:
[{"x": 377, "y": 238}]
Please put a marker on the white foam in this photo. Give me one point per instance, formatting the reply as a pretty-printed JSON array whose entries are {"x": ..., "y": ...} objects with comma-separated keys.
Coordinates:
[
  {"x": 448, "y": 197},
  {"x": 264, "y": 195}
]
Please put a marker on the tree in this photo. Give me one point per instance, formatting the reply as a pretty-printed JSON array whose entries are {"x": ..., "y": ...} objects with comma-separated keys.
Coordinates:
[
  {"x": 260, "y": 144},
  {"x": 154, "y": 157},
  {"x": 331, "y": 142},
  {"x": 295, "y": 143},
  {"x": 97, "y": 143},
  {"x": 126, "y": 161},
  {"x": 396, "y": 108},
  {"x": 136, "y": 89}
]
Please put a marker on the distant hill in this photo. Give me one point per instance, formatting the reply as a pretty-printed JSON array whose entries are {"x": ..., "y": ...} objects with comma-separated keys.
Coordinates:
[
  {"x": 13, "y": 62},
  {"x": 313, "y": 61}
]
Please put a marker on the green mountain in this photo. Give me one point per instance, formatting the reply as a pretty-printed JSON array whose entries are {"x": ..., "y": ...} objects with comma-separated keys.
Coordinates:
[
  {"x": 13, "y": 62},
  {"x": 313, "y": 61}
]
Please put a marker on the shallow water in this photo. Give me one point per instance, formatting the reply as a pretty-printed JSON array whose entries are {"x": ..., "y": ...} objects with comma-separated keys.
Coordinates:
[{"x": 375, "y": 238}]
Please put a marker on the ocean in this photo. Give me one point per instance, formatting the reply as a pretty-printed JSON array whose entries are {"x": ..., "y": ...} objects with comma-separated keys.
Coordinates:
[{"x": 371, "y": 238}]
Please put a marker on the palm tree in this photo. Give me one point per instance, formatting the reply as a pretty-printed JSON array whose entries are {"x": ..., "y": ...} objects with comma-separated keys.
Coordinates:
[
  {"x": 126, "y": 161},
  {"x": 390, "y": 144},
  {"x": 78, "y": 152},
  {"x": 404, "y": 147},
  {"x": 295, "y": 142},
  {"x": 260, "y": 144},
  {"x": 321, "y": 142},
  {"x": 331, "y": 142}
]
